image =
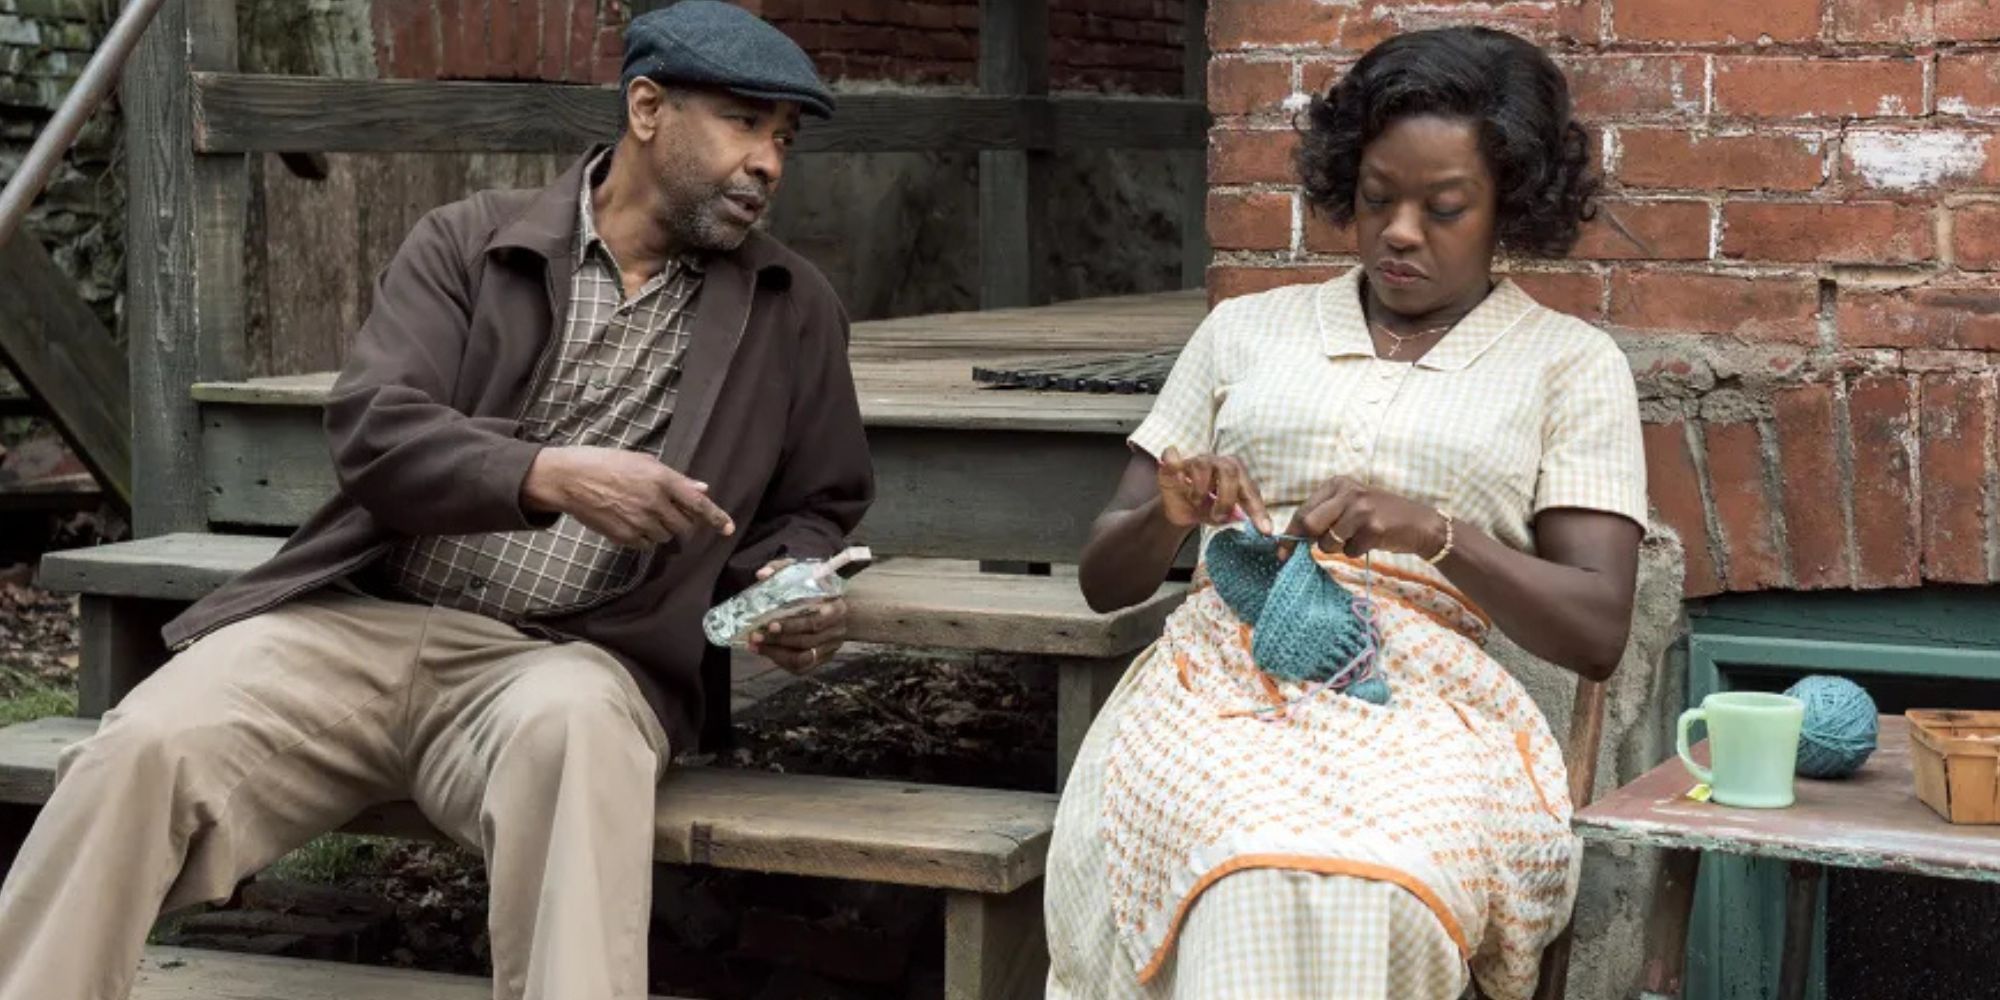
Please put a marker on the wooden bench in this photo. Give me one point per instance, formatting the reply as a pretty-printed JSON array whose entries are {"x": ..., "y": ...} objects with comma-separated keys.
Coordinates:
[
  {"x": 984, "y": 848},
  {"x": 193, "y": 974}
]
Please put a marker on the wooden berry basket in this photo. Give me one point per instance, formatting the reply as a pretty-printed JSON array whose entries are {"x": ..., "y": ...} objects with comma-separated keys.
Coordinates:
[{"x": 1956, "y": 758}]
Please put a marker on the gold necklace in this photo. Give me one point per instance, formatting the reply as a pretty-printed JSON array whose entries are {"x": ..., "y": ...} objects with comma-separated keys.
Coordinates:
[{"x": 1397, "y": 340}]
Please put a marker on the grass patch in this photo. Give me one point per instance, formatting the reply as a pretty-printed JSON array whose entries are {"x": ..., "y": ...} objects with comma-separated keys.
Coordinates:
[
  {"x": 332, "y": 858},
  {"x": 23, "y": 699}
]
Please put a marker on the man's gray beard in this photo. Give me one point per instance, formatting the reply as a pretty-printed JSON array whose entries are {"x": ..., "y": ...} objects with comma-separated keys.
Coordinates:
[{"x": 700, "y": 231}]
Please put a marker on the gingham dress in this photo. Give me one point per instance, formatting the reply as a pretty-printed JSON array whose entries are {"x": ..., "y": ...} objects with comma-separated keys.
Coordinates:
[{"x": 1346, "y": 850}]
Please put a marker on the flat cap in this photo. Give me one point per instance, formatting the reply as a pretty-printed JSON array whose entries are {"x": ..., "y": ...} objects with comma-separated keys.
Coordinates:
[{"x": 714, "y": 44}]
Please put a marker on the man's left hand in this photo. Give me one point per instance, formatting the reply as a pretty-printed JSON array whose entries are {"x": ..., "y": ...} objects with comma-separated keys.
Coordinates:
[{"x": 805, "y": 639}]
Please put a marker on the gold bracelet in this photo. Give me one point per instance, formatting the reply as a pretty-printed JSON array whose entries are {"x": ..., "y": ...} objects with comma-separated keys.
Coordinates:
[{"x": 1448, "y": 538}]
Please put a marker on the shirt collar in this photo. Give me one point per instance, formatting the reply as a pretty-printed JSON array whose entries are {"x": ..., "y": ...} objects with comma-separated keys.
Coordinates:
[{"x": 1344, "y": 327}]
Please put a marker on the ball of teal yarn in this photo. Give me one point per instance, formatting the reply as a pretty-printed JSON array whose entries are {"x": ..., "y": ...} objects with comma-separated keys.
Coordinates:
[{"x": 1839, "y": 729}]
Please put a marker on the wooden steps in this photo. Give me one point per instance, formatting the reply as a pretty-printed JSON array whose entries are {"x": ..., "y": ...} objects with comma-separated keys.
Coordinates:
[
  {"x": 965, "y": 839},
  {"x": 925, "y": 604}
]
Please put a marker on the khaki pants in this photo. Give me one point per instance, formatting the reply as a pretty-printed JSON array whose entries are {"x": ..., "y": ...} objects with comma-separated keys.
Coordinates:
[{"x": 542, "y": 756}]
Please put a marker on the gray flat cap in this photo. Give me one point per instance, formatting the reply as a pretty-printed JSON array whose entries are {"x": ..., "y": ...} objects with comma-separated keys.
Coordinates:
[{"x": 714, "y": 44}]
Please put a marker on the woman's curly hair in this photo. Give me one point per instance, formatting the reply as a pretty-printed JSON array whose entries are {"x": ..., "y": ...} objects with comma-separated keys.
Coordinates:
[{"x": 1538, "y": 155}]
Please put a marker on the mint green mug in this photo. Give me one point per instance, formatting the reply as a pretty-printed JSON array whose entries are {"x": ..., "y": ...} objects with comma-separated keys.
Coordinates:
[{"x": 1753, "y": 746}]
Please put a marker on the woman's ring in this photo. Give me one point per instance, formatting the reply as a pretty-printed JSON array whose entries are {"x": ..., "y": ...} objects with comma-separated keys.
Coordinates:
[{"x": 815, "y": 657}]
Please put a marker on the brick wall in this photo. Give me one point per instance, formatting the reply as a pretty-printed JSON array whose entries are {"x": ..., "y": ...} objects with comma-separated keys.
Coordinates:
[
  {"x": 1812, "y": 302},
  {"x": 1112, "y": 45}
]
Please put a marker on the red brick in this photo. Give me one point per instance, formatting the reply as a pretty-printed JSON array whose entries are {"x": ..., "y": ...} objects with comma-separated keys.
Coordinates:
[
  {"x": 526, "y": 26},
  {"x": 1914, "y": 164},
  {"x": 1849, "y": 233},
  {"x": 1728, "y": 21},
  {"x": 1670, "y": 158},
  {"x": 1317, "y": 76},
  {"x": 1580, "y": 21},
  {"x": 1241, "y": 157},
  {"x": 1968, "y": 83},
  {"x": 1899, "y": 21},
  {"x": 1747, "y": 308},
  {"x": 1663, "y": 230},
  {"x": 1254, "y": 221},
  {"x": 1324, "y": 237},
  {"x": 1764, "y": 87},
  {"x": 1966, "y": 20},
  {"x": 1227, "y": 281},
  {"x": 1885, "y": 504},
  {"x": 1814, "y": 495},
  {"x": 1975, "y": 237},
  {"x": 1578, "y": 293},
  {"x": 610, "y": 55},
  {"x": 1534, "y": 20},
  {"x": 1240, "y": 87},
  {"x": 1607, "y": 85},
  {"x": 1947, "y": 317},
  {"x": 1242, "y": 24},
  {"x": 1955, "y": 447},
  {"x": 553, "y": 52},
  {"x": 582, "y": 48},
  {"x": 1736, "y": 481},
  {"x": 1675, "y": 485}
]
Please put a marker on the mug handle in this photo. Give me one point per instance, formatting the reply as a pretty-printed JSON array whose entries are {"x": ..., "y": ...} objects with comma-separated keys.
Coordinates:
[{"x": 1688, "y": 719}]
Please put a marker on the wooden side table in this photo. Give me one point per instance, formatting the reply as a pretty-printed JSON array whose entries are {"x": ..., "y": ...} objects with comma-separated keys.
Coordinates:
[{"x": 1871, "y": 821}]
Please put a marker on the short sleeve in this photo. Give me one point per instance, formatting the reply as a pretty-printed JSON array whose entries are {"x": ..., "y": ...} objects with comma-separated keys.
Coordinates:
[
  {"x": 1593, "y": 456},
  {"x": 1184, "y": 415}
]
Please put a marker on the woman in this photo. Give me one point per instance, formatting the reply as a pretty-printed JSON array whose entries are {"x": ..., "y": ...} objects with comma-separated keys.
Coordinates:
[{"x": 1459, "y": 455}]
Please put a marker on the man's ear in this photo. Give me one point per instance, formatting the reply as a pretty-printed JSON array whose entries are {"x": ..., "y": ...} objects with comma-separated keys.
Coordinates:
[{"x": 645, "y": 101}]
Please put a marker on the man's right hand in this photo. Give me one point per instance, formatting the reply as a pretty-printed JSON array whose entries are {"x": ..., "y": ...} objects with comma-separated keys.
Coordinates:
[{"x": 631, "y": 498}]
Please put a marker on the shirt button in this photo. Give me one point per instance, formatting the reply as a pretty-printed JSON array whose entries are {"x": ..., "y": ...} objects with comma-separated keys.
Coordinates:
[{"x": 475, "y": 585}]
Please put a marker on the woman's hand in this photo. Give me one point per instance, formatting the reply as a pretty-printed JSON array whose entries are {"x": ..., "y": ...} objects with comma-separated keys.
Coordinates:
[
  {"x": 1208, "y": 489},
  {"x": 1349, "y": 516}
]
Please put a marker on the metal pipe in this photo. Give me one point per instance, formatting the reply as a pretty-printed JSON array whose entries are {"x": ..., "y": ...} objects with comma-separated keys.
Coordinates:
[{"x": 99, "y": 76}]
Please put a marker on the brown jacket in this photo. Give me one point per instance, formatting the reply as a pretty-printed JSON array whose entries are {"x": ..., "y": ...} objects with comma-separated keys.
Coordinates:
[{"x": 425, "y": 433}]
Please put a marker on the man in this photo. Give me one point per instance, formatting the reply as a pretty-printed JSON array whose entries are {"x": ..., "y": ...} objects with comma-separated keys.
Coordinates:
[{"x": 572, "y": 418}]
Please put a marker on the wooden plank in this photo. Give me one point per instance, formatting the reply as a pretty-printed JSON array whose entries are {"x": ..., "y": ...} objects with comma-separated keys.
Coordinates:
[
  {"x": 120, "y": 645},
  {"x": 971, "y": 839},
  {"x": 264, "y": 466},
  {"x": 1082, "y": 687},
  {"x": 1195, "y": 250},
  {"x": 245, "y": 113},
  {"x": 28, "y": 754},
  {"x": 964, "y": 839},
  {"x": 55, "y": 345},
  {"x": 1802, "y": 890},
  {"x": 1665, "y": 965},
  {"x": 995, "y": 947},
  {"x": 1870, "y": 821},
  {"x": 1013, "y": 61},
  {"x": 184, "y": 231},
  {"x": 196, "y": 974},
  {"x": 1039, "y": 615},
  {"x": 176, "y": 567}
]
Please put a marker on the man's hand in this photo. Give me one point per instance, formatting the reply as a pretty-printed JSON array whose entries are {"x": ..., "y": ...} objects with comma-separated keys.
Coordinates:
[
  {"x": 805, "y": 640},
  {"x": 631, "y": 498}
]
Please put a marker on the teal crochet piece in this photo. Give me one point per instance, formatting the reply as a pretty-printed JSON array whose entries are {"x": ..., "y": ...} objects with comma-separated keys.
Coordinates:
[{"x": 1305, "y": 626}]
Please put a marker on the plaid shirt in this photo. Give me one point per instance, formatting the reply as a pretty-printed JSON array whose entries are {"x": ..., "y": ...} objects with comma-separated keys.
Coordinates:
[{"x": 612, "y": 384}]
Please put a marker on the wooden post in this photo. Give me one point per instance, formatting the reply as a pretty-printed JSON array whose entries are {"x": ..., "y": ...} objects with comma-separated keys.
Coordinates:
[
  {"x": 184, "y": 258},
  {"x": 120, "y": 646},
  {"x": 65, "y": 357},
  {"x": 1082, "y": 685},
  {"x": 1665, "y": 965},
  {"x": 1013, "y": 61},
  {"x": 994, "y": 946},
  {"x": 1801, "y": 909},
  {"x": 1195, "y": 250}
]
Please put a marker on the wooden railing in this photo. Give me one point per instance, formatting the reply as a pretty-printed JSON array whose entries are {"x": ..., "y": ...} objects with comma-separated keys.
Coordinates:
[{"x": 49, "y": 337}]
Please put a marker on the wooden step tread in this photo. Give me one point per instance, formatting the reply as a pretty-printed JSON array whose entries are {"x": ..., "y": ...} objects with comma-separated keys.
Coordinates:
[
  {"x": 198, "y": 974},
  {"x": 918, "y": 606},
  {"x": 978, "y": 840}
]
